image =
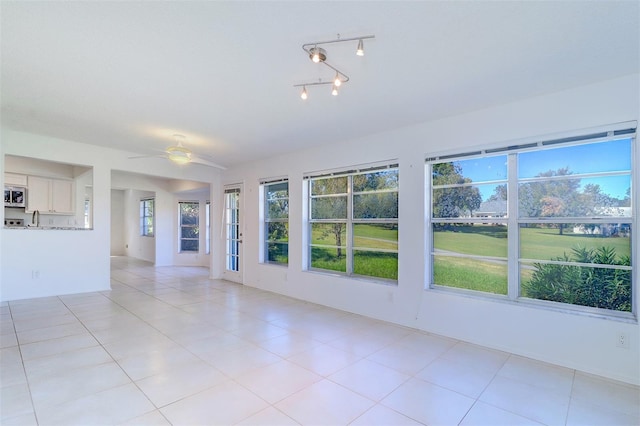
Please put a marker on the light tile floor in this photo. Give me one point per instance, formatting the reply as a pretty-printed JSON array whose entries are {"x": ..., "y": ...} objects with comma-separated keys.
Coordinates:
[{"x": 169, "y": 346}]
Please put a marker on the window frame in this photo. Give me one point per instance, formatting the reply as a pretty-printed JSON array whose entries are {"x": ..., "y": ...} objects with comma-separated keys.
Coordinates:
[
  {"x": 349, "y": 221},
  {"x": 514, "y": 219},
  {"x": 181, "y": 226},
  {"x": 266, "y": 220},
  {"x": 144, "y": 225}
]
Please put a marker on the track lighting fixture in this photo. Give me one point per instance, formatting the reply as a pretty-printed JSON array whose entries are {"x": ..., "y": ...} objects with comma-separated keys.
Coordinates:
[{"x": 318, "y": 55}]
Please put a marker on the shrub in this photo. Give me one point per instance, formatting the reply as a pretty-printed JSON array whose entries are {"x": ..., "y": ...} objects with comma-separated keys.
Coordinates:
[{"x": 605, "y": 288}]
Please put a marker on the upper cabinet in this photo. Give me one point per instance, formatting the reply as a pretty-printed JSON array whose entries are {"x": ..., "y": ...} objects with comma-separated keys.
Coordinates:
[{"x": 52, "y": 196}]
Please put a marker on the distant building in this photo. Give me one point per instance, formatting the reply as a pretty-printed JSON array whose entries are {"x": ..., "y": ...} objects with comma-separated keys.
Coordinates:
[{"x": 496, "y": 208}]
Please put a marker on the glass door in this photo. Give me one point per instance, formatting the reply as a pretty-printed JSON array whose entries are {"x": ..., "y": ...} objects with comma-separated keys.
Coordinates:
[{"x": 233, "y": 232}]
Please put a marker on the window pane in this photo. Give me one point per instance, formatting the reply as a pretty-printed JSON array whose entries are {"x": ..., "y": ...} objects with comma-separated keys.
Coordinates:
[
  {"x": 277, "y": 252},
  {"x": 188, "y": 213},
  {"x": 187, "y": 232},
  {"x": 473, "y": 274},
  {"x": 188, "y": 245},
  {"x": 591, "y": 197},
  {"x": 327, "y": 186},
  {"x": 384, "y": 179},
  {"x": 378, "y": 205},
  {"x": 277, "y": 190},
  {"x": 587, "y": 158},
  {"x": 572, "y": 242},
  {"x": 233, "y": 263},
  {"x": 478, "y": 239},
  {"x": 578, "y": 285},
  {"x": 329, "y": 234},
  {"x": 329, "y": 208},
  {"x": 278, "y": 231},
  {"x": 232, "y": 232},
  {"x": 277, "y": 209},
  {"x": 333, "y": 259},
  {"x": 487, "y": 200},
  {"x": 375, "y": 236},
  {"x": 375, "y": 264},
  {"x": 473, "y": 170}
]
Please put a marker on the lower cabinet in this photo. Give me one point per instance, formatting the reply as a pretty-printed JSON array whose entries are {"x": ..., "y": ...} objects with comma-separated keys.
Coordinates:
[{"x": 52, "y": 196}]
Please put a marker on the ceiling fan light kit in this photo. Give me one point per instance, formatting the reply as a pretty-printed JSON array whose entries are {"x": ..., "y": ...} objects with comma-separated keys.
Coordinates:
[
  {"x": 178, "y": 153},
  {"x": 318, "y": 55}
]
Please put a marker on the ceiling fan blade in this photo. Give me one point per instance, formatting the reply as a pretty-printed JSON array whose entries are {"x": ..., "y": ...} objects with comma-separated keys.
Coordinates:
[
  {"x": 147, "y": 156},
  {"x": 200, "y": 160}
]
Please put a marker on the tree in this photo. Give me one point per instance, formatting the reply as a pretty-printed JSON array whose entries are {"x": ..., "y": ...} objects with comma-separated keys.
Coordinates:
[
  {"x": 368, "y": 204},
  {"x": 553, "y": 197},
  {"x": 499, "y": 193},
  {"x": 453, "y": 201},
  {"x": 331, "y": 207}
]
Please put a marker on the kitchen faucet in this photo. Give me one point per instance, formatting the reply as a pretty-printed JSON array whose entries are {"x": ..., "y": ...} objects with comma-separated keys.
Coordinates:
[{"x": 35, "y": 218}]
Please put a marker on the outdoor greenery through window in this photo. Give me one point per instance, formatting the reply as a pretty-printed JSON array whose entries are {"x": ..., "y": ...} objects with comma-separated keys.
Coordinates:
[
  {"x": 146, "y": 217},
  {"x": 548, "y": 220},
  {"x": 276, "y": 222},
  {"x": 189, "y": 226},
  {"x": 353, "y": 222}
]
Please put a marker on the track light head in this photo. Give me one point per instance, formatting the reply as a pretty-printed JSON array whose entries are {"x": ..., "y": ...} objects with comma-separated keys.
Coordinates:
[
  {"x": 336, "y": 81},
  {"x": 304, "y": 95},
  {"x": 334, "y": 90},
  {"x": 317, "y": 54},
  {"x": 360, "y": 49}
]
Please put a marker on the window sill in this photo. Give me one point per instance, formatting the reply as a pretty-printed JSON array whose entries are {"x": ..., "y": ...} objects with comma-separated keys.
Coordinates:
[
  {"x": 362, "y": 278},
  {"x": 626, "y": 317}
]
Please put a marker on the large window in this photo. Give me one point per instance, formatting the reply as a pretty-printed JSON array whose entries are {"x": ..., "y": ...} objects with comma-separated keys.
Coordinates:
[
  {"x": 353, "y": 222},
  {"x": 146, "y": 217},
  {"x": 547, "y": 221},
  {"x": 189, "y": 226},
  {"x": 276, "y": 222}
]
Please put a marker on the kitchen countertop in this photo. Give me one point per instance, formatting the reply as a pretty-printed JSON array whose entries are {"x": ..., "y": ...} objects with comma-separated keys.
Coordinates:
[{"x": 50, "y": 228}]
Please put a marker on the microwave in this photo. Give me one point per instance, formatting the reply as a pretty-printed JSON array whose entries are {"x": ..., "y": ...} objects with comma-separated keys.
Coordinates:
[{"x": 15, "y": 196}]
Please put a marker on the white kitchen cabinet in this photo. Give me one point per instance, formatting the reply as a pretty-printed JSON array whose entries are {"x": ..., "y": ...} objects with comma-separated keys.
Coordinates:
[
  {"x": 50, "y": 196},
  {"x": 13, "y": 179}
]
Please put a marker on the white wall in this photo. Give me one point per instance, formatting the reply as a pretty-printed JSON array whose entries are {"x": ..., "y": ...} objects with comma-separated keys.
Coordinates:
[
  {"x": 136, "y": 245},
  {"x": 574, "y": 340},
  {"x": 118, "y": 241}
]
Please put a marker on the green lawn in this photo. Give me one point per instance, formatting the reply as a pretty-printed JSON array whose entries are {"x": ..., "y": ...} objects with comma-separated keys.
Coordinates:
[
  {"x": 540, "y": 243},
  {"x": 368, "y": 263},
  {"x": 545, "y": 243},
  {"x": 471, "y": 274}
]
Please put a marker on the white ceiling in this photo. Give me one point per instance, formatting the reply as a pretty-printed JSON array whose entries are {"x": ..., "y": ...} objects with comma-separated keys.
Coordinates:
[{"x": 128, "y": 75}]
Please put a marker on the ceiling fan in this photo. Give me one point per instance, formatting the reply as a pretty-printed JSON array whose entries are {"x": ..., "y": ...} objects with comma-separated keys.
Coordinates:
[{"x": 181, "y": 155}]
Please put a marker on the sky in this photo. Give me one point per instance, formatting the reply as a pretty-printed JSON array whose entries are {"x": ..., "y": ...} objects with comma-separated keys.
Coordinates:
[{"x": 585, "y": 158}]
